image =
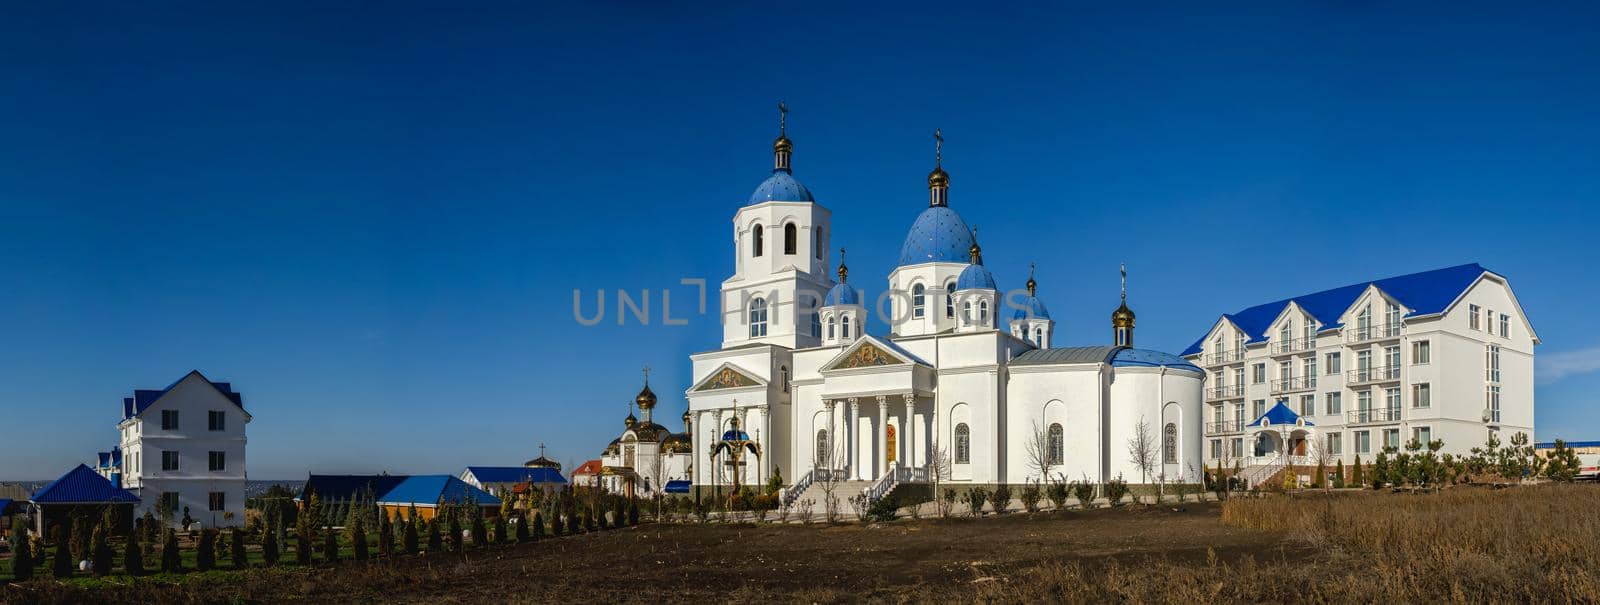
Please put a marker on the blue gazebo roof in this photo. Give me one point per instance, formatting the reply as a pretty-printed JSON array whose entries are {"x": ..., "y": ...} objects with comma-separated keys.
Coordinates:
[{"x": 1280, "y": 414}]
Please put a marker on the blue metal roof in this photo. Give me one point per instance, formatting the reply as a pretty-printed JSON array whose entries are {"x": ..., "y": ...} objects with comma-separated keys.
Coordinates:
[
  {"x": 82, "y": 485},
  {"x": 781, "y": 187},
  {"x": 1031, "y": 307},
  {"x": 730, "y": 435},
  {"x": 5, "y": 504},
  {"x": 975, "y": 277},
  {"x": 842, "y": 294},
  {"x": 1279, "y": 414},
  {"x": 143, "y": 398},
  {"x": 938, "y": 235},
  {"x": 348, "y": 487},
  {"x": 677, "y": 486},
  {"x": 1425, "y": 293},
  {"x": 432, "y": 490},
  {"x": 1550, "y": 445},
  {"x": 1125, "y": 357},
  {"x": 515, "y": 474}
]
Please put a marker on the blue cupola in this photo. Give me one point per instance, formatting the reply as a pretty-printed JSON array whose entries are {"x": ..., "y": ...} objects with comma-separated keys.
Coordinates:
[
  {"x": 843, "y": 293},
  {"x": 781, "y": 186},
  {"x": 1031, "y": 307},
  {"x": 975, "y": 277},
  {"x": 938, "y": 235}
]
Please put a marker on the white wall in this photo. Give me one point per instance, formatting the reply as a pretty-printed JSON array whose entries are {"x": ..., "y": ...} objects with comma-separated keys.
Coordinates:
[{"x": 192, "y": 398}]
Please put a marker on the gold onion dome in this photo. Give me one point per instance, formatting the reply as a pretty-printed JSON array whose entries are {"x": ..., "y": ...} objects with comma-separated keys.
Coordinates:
[
  {"x": 630, "y": 420},
  {"x": 1122, "y": 317},
  {"x": 782, "y": 145},
  {"x": 687, "y": 417},
  {"x": 646, "y": 399},
  {"x": 938, "y": 178}
]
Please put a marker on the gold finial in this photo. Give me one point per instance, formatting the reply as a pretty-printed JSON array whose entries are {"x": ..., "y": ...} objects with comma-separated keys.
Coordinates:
[
  {"x": 844, "y": 272},
  {"x": 938, "y": 147},
  {"x": 647, "y": 374},
  {"x": 782, "y": 147},
  {"x": 1031, "y": 284},
  {"x": 975, "y": 251}
]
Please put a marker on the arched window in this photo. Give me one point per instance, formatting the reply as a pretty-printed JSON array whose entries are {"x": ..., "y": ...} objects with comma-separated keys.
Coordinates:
[
  {"x": 832, "y": 325},
  {"x": 845, "y": 331},
  {"x": 756, "y": 240},
  {"x": 919, "y": 300},
  {"x": 983, "y": 312},
  {"x": 1038, "y": 337},
  {"x": 966, "y": 313},
  {"x": 783, "y": 374},
  {"x": 950, "y": 299},
  {"x": 1057, "y": 443},
  {"x": 819, "y": 247},
  {"x": 963, "y": 444},
  {"x": 816, "y": 325},
  {"x": 1169, "y": 444},
  {"x": 823, "y": 448},
  {"x": 791, "y": 238},
  {"x": 758, "y": 318}
]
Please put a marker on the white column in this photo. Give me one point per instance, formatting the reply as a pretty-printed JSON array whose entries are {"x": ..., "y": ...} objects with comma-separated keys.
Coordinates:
[
  {"x": 850, "y": 439},
  {"x": 833, "y": 435},
  {"x": 908, "y": 451},
  {"x": 882, "y": 430}
]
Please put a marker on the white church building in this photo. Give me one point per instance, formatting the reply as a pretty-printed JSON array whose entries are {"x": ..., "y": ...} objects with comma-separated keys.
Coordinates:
[{"x": 966, "y": 370}]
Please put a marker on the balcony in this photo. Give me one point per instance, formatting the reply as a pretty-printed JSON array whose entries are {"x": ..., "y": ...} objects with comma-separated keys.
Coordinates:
[
  {"x": 1224, "y": 427},
  {"x": 1290, "y": 347},
  {"x": 1225, "y": 392},
  {"x": 1224, "y": 357},
  {"x": 1295, "y": 383},
  {"x": 1372, "y": 375},
  {"x": 1378, "y": 416},
  {"x": 1357, "y": 335}
]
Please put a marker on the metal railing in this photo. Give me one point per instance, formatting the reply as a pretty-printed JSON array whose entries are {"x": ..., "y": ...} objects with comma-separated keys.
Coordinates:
[
  {"x": 1372, "y": 332},
  {"x": 1225, "y": 392},
  {"x": 884, "y": 484},
  {"x": 1226, "y": 426},
  {"x": 1294, "y": 383},
  {"x": 1224, "y": 357},
  {"x": 793, "y": 492},
  {"x": 1374, "y": 374},
  {"x": 1284, "y": 347},
  {"x": 1373, "y": 416}
]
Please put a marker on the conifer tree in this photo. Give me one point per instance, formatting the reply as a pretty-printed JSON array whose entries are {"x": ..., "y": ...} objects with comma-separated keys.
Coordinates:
[
  {"x": 62, "y": 568},
  {"x": 1356, "y": 472},
  {"x": 385, "y": 535},
  {"x": 100, "y": 554},
  {"x": 358, "y": 537},
  {"x": 1380, "y": 469},
  {"x": 522, "y": 529},
  {"x": 537, "y": 531},
  {"x": 81, "y": 534},
  {"x": 435, "y": 544},
  {"x": 269, "y": 546},
  {"x": 409, "y": 539},
  {"x": 619, "y": 516},
  {"x": 302, "y": 536},
  {"x": 499, "y": 530},
  {"x": 330, "y": 545},
  {"x": 633, "y": 513},
  {"x": 171, "y": 560},
  {"x": 1338, "y": 474},
  {"x": 205, "y": 549},
  {"x": 480, "y": 531},
  {"x": 454, "y": 536},
  {"x": 1320, "y": 479},
  {"x": 573, "y": 523},
  {"x": 241, "y": 558},
  {"x": 133, "y": 555},
  {"x": 22, "y": 559}
]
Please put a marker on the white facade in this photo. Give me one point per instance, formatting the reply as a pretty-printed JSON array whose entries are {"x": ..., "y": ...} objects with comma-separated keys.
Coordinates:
[
  {"x": 955, "y": 376},
  {"x": 1441, "y": 355},
  {"x": 187, "y": 444}
]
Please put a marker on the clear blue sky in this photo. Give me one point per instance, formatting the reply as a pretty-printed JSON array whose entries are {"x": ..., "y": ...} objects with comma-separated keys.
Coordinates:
[{"x": 371, "y": 218}]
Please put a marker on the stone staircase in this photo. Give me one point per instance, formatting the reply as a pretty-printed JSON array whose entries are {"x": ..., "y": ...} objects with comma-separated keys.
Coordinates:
[{"x": 843, "y": 490}]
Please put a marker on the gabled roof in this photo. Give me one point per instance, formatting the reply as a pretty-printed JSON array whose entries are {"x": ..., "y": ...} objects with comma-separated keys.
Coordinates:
[
  {"x": 142, "y": 399},
  {"x": 1279, "y": 414},
  {"x": 515, "y": 474},
  {"x": 348, "y": 487},
  {"x": 82, "y": 485},
  {"x": 1425, "y": 293},
  {"x": 727, "y": 376},
  {"x": 589, "y": 467},
  {"x": 849, "y": 358},
  {"x": 432, "y": 490}
]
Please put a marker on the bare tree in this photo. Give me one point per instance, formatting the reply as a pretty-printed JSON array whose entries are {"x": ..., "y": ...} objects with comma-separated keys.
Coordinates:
[
  {"x": 656, "y": 472},
  {"x": 1142, "y": 450},
  {"x": 1324, "y": 458},
  {"x": 1040, "y": 456},
  {"x": 940, "y": 468},
  {"x": 826, "y": 478}
]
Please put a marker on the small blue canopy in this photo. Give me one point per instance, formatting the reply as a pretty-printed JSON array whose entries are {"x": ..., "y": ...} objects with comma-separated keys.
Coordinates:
[
  {"x": 678, "y": 486},
  {"x": 1280, "y": 414}
]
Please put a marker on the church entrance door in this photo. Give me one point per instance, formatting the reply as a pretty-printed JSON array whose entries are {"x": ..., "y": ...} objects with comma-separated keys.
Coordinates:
[{"x": 889, "y": 441}]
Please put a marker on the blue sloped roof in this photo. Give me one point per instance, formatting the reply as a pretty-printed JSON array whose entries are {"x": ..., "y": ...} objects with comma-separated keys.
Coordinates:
[
  {"x": 5, "y": 503},
  {"x": 431, "y": 490},
  {"x": 780, "y": 187},
  {"x": 82, "y": 485},
  {"x": 348, "y": 487},
  {"x": 515, "y": 474},
  {"x": 143, "y": 398},
  {"x": 938, "y": 235},
  {"x": 1125, "y": 357},
  {"x": 1031, "y": 307},
  {"x": 677, "y": 486},
  {"x": 730, "y": 435},
  {"x": 975, "y": 277},
  {"x": 1425, "y": 293},
  {"x": 842, "y": 294},
  {"x": 1279, "y": 414},
  {"x": 1550, "y": 445}
]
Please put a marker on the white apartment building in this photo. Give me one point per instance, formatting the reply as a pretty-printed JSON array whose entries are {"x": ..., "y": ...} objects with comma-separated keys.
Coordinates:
[
  {"x": 1439, "y": 355},
  {"x": 184, "y": 444}
]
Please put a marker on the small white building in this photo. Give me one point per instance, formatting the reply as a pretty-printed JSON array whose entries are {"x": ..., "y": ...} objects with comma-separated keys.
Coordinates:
[
  {"x": 185, "y": 444},
  {"x": 1438, "y": 355}
]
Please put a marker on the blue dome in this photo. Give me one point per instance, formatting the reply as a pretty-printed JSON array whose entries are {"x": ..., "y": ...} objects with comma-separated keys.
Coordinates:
[
  {"x": 781, "y": 187},
  {"x": 975, "y": 277},
  {"x": 1031, "y": 306},
  {"x": 938, "y": 235},
  {"x": 842, "y": 294},
  {"x": 1150, "y": 359}
]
